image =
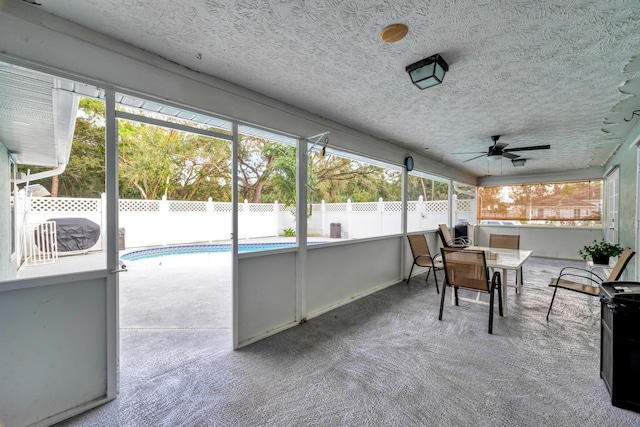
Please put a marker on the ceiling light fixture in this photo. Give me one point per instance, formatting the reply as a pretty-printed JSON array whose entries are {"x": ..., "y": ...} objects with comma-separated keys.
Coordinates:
[
  {"x": 428, "y": 72},
  {"x": 393, "y": 33},
  {"x": 518, "y": 162}
]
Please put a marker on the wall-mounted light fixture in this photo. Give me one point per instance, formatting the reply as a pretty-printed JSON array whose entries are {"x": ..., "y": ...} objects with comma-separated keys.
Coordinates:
[
  {"x": 428, "y": 72},
  {"x": 518, "y": 162}
]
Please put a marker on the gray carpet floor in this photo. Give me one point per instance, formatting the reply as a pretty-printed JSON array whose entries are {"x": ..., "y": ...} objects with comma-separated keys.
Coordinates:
[{"x": 383, "y": 360}]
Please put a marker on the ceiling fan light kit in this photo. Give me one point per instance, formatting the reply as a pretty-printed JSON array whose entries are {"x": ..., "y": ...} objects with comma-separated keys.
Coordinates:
[{"x": 428, "y": 72}]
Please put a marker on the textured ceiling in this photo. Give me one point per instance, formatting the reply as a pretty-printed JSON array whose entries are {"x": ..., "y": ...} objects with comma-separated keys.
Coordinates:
[{"x": 536, "y": 72}]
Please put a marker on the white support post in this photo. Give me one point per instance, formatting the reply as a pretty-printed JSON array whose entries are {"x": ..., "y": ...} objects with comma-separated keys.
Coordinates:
[
  {"x": 422, "y": 213},
  {"x": 212, "y": 223},
  {"x": 164, "y": 215},
  {"x": 276, "y": 214},
  {"x": 103, "y": 215},
  {"x": 349, "y": 210},
  {"x": 381, "y": 210},
  {"x": 454, "y": 199},
  {"x": 245, "y": 214},
  {"x": 301, "y": 230},
  {"x": 323, "y": 210}
]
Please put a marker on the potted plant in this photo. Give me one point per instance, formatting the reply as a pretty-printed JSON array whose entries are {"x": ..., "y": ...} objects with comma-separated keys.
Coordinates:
[{"x": 600, "y": 252}]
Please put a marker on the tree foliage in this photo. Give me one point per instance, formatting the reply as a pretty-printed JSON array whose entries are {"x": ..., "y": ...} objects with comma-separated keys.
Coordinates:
[
  {"x": 156, "y": 161},
  {"x": 429, "y": 189},
  {"x": 335, "y": 179}
]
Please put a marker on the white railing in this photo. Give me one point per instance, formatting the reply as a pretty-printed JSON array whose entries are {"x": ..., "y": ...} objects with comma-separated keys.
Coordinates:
[
  {"x": 40, "y": 243},
  {"x": 166, "y": 222}
]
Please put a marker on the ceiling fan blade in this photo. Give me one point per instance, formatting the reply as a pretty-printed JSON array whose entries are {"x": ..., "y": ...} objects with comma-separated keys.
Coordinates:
[
  {"x": 499, "y": 145},
  {"x": 509, "y": 155},
  {"x": 533, "y": 147},
  {"x": 473, "y": 158}
]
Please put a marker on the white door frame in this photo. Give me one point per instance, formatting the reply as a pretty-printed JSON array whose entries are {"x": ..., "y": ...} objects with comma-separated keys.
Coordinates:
[{"x": 612, "y": 205}]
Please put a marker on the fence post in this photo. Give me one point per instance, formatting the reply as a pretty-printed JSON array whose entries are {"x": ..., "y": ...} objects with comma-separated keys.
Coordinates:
[
  {"x": 164, "y": 215},
  {"x": 245, "y": 211},
  {"x": 454, "y": 197},
  {"x": 103, "y": 219},
  {"x": 276, "y": 211},
  {"x": 381, "y": 210},
  {"x": 349, "y": 208},
  {"x": 323, "y": 209},
  {"x": 20, "y": 208},
  {"x": 421, "y": 212},
  {"x": 210, "y": 218}
]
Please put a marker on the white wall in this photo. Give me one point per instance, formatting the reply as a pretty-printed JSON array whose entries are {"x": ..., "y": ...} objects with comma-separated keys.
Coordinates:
[
  {"x": 339, "y": 273},
  {"x": 54, "y": 355},
  {"x": 336, "y": 274},
  {"x": 266, "y": 295},
  {"x": 548, "y": 242}
]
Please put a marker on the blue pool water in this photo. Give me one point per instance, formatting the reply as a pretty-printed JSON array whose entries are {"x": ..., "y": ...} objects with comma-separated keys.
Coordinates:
[{"x": 204, "y": 248}]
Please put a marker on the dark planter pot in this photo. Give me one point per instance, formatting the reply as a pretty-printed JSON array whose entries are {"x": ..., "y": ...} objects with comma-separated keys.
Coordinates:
[{"x": 601, "y": 260}]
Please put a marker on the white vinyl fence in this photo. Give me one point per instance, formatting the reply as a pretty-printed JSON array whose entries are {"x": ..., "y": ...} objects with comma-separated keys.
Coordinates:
[{"x": 168, "y": 222}]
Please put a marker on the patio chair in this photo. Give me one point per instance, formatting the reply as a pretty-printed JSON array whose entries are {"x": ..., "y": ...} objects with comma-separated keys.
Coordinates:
[
  {"x": 467, "y": 269},
  {"x": 422, "y": 257},
  {"x": 450, "y": 242},
  {"x": 590, "y": 280},
  {"x": 506, "y": 241},
  {"x": 462, "y": 231}
]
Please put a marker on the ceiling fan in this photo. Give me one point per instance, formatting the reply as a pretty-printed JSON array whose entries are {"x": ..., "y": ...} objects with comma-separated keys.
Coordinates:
[{"x": 498, "y": 150}]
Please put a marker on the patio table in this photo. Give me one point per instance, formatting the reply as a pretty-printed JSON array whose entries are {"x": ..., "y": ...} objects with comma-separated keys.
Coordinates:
[{"x": 506, "y": 259}]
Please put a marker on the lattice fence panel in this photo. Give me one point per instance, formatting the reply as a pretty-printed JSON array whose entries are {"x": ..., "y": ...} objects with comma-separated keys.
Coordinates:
[
  {"x": 63, "y": 204},
  {"x": 222, "y": 207},
  {"x": 334, "y": 207},
  {"x": 412, "y": 206},
  {"x": 187, "y": 206},
  {"x": 290, "y": 208},
  {"x": 393, "y": 206},
  {"x": 130, "y": 205},
  {"x": 437, "y": 206},
  {"x": 464, "y": 205},
  {"x": 261, "y": 207},
  {"x": 364, "y": 207}
]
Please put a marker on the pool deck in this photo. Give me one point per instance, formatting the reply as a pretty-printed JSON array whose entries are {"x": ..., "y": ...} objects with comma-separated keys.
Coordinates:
[{"x": 68, "y": 264}]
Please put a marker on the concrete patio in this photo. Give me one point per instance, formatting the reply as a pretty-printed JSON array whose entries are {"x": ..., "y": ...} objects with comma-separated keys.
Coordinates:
[{"x": 381, "y": 360}]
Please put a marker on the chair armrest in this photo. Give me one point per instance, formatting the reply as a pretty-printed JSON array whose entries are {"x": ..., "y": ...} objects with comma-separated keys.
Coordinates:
[
  {"x": 462, "y": 240},
  {"x": 582, "y": 270},
  {"x": 588, "y": 277}
]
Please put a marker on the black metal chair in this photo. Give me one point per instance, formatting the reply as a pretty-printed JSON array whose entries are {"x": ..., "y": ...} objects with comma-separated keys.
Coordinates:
[
  {"x": 591, "y": 281},
  {"x": 450, "y": 242}
]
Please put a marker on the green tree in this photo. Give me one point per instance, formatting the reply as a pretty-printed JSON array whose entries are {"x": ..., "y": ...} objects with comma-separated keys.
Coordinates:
[
  {"x": 335, "y": 179},
  {"x": 429, "y": 189},
  {"x": 156, "y": 161},
  {"x": 266, "y": 170}
]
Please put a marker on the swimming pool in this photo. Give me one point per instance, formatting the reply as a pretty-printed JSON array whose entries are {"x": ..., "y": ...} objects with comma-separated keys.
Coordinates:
[{"x": 204, "y": 248}]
